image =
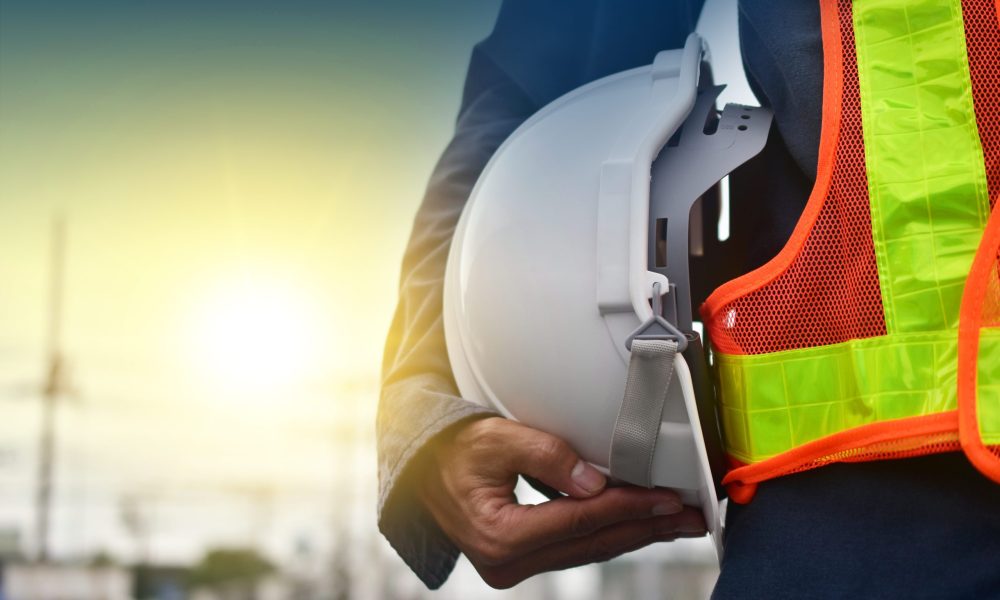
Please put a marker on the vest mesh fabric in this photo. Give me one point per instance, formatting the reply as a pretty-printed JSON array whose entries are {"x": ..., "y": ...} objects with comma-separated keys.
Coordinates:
[{"x": 830, "y": 293}]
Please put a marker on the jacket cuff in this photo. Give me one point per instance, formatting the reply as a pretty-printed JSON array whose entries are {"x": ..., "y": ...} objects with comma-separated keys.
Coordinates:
[{"x": 402, "y": 518}]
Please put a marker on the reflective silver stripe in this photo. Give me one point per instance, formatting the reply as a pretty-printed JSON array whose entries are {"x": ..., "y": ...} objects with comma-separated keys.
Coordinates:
[{"x": 638, "y": 426}]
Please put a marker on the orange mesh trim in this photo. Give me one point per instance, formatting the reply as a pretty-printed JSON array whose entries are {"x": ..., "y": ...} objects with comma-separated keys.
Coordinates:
[
  {"x": 823, "y": 287},
  {"x": 981, "y": 297},
  {"x": 900, "y": 438},
  {"x": 979, "y": 302},
  {"x": 991, "y": 303}
]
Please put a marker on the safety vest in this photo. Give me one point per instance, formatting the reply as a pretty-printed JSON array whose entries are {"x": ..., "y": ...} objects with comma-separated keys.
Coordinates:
[{"x": 875, "y": 332}]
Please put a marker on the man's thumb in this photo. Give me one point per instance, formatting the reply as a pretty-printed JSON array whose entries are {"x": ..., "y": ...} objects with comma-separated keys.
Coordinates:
[{"x": 552, "y": 461}]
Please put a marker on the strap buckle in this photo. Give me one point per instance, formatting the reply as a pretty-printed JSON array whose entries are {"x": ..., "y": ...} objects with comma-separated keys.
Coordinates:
[{"x": 656, "y": 327}]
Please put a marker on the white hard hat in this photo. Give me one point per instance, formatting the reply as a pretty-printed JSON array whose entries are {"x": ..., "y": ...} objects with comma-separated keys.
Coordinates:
[{"x": 560, "y": 253}]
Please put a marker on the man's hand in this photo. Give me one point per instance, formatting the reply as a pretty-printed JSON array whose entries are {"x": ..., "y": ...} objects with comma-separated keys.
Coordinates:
[{"x": 468, "y": 487}]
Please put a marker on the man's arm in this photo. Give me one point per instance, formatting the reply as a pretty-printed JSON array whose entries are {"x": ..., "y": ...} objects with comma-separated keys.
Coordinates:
[
  {"x": 431, "y": 459},
  {"x": 419, "y": 397},
  {"x": 446, "y": 485}
]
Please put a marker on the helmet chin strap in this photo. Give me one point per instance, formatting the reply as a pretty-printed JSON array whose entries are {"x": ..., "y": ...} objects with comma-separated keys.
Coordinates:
[
  {"x": 637, "y": 428},
  {"x": 653, "y": 346}
]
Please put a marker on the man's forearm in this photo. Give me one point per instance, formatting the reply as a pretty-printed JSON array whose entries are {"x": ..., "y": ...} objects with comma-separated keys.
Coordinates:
[{"x": 419, "y": 398}]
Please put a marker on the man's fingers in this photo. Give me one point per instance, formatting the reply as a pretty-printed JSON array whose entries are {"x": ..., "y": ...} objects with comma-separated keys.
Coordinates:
[
  {"x": 599, "y": 546},
  {"x": 528, "y": 528},
  {"x": 502, "y": 530},
  {"x": 548, "y": 459}
]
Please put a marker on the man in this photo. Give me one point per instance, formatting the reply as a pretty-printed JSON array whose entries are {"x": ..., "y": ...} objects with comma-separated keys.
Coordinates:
[{"x": 919, "y": 527}]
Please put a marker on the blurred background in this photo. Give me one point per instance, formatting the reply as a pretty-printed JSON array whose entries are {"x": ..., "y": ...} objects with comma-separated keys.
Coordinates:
[{"x": 203, "y": 207}]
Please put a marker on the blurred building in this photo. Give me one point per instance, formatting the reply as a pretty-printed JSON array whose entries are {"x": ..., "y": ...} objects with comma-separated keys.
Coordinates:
[{"x": 65, "y": 582}]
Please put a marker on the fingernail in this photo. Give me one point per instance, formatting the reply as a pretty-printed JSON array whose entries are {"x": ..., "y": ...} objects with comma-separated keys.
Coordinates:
[
  {"x": 587, "y": 477},
  {"x": 669, "y": 507},
  {"x": 664, "y": 527},
  {"x": 691, "y": 528}
]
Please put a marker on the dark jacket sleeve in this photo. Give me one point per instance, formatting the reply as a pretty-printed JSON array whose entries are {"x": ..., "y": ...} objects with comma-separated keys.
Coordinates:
[
  {"x": 419, "y": 398},
  {"x": 537, "y": 51}
]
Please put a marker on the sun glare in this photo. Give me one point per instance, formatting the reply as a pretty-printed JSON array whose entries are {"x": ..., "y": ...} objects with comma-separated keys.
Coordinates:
[{"x": 257, "y": 337}]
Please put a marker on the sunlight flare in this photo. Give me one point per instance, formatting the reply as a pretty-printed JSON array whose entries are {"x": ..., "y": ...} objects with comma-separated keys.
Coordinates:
[{"x": 257, "y": 336}]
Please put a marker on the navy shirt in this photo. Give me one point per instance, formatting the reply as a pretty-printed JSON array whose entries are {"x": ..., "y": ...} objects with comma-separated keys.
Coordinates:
[{"x": 916, "y": 528}]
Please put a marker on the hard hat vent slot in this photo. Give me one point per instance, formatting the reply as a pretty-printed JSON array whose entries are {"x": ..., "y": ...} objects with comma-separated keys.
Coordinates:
[
  {"x": 660, "y": 258},
  {"x": 712, "y": 118}
]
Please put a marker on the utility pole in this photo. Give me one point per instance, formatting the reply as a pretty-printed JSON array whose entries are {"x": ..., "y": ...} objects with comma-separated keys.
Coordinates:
[
  {"x": 52, "y": 390},
  {"x": 135, "y": 516}
]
